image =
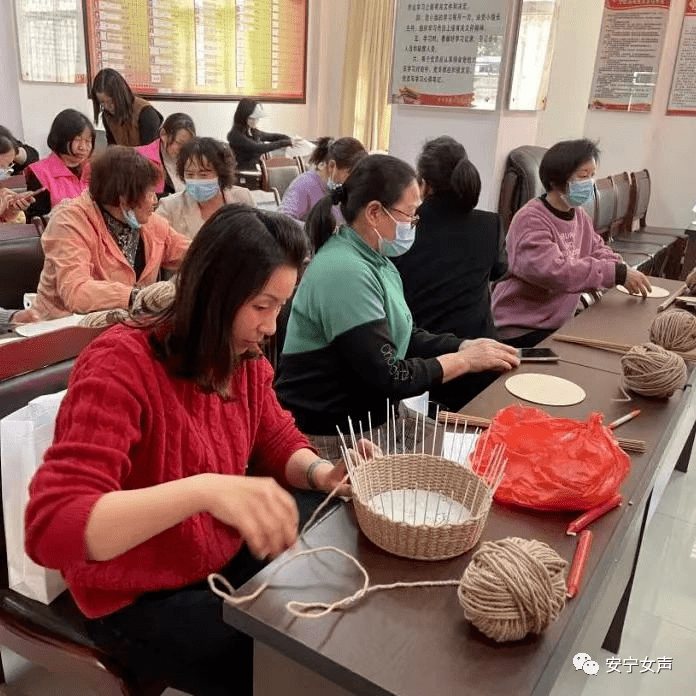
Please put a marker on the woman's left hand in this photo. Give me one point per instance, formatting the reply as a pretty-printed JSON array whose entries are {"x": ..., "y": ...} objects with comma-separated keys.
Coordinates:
[{"x": 327, "y": 479}]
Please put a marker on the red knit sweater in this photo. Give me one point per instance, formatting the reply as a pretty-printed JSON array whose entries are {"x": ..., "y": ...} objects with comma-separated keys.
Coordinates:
[{"x": 126, "y": 424}]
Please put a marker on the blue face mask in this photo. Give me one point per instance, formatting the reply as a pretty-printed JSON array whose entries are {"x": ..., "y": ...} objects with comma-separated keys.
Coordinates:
[
  {"x": 5, "y": 173},
  {"x": 202, "y": 190},
  {"x": 580, "y": 192},
  {"x": 331, "y": 184},
  {"x": 129, "y": 217},
  {"x": 402, "y": 242}
]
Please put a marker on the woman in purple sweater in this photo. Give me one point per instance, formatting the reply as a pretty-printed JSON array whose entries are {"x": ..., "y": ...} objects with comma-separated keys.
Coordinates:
[
  {"x": 554, "y": 253},
  {"x": 332, "y": 161}
]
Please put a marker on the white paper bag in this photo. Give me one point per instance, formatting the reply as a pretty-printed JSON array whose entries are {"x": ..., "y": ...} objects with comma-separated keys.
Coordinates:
[{"x": 25, "y": 435}]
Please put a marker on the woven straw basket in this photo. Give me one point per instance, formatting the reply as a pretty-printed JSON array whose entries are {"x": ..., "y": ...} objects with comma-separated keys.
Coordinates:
[{"x": 421, "y": 472}]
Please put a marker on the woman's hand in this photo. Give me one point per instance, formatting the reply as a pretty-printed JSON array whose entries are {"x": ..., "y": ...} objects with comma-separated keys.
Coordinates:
[
  {"x": 327, "y": 478},
  {"x": 636, "y": 283},
  {"x": 11, "y": 203},
  {"x": 487, "y": 354},
  {"x": 264, "y": 513}
]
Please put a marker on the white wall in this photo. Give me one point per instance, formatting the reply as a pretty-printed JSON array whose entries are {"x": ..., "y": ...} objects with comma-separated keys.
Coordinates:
[
  {"x": 10, "y": 109},
  {"x": 39, "y": 103},
  {"x": 570, "y": 80}
]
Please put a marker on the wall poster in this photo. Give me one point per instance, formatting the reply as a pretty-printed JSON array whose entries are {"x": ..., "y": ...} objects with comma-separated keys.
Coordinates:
[
  {"x": 682, "y": 96},
  {"x": 448, "y": 53},
  {"x": 628, "y": 55}
]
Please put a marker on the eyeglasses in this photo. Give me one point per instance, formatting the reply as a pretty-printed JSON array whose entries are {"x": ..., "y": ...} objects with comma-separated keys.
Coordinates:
[
  {"x": 81, "y": 141},
  {"x": 413, "y": 219}
]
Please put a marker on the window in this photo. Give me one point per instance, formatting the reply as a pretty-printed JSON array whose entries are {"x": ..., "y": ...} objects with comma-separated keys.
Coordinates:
[
  {"x": 533, "y": 54},
  {"x": 216, "y": 49},
  {"x": 51, "y": 42}
]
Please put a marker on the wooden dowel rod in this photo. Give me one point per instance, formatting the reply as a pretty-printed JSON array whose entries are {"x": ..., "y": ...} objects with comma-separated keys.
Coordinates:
[{"x": 626, "y": 444}]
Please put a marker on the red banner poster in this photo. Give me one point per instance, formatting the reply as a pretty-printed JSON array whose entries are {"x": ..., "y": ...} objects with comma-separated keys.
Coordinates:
[
  {"x": 628, "y": 55},
  {"x": 682, "y": 96}
]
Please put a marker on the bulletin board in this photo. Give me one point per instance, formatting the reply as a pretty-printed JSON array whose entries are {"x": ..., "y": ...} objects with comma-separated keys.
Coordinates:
[{"x": 193, "y": 49}]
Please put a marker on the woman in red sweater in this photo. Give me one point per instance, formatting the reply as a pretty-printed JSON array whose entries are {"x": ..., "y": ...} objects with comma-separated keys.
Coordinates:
[{"x": 144, "y": 491}]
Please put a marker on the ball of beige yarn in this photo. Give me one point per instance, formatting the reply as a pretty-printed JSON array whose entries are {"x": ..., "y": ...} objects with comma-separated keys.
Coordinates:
[
  {"x": 513, "y": 587},
  {"x": 674, "y": 330},
  {"x": 650, "y": 370}
]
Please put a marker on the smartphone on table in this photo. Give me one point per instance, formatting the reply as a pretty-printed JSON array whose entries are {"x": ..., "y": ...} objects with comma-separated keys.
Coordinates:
[{"x": 537, "y": 355}]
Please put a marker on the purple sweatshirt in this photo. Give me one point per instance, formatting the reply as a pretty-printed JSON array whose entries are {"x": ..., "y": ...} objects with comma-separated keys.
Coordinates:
[
  {"x": 551, "y": 262},
  {"x": 302, "y": 194}
]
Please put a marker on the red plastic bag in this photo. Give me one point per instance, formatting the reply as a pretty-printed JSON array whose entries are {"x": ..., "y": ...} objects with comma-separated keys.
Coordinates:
[{"x": 553, "y": 463}]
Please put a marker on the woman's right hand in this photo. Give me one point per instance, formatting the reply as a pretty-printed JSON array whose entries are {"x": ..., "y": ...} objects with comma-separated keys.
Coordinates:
[
  {"x": 478, "y": 356},
  {"x": 486, "y": 354},
  {"x": 636, "y": 283},
  {"x": 264, "y": 513}
]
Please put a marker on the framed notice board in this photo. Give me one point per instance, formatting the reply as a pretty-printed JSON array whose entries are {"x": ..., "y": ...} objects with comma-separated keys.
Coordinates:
[{"x": 201, "y": 49}]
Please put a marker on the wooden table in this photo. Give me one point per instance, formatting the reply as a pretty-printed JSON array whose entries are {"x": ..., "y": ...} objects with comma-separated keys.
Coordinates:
[{"x": 412, "y": 642}]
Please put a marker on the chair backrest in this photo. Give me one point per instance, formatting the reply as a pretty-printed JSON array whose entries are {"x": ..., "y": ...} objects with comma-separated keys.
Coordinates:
[
  {"x": 301, "y": 163},
  {"x": 622, "y": 213},
  {"x": 266, "y": 200},
  {"x": 605, "y": 205},
  {"x": 279, "y": 173},
  {"x": 21, "y": 261},
  {"x": 520, "y": 181},
  {"x": 17, "y": 182},
  {"x": 641, "y": 185}
]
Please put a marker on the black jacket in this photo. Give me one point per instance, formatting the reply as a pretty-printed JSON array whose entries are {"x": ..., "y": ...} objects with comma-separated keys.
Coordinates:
[
  {"x": 249, "y": 148},
  {"x": 448, "y": 270}
]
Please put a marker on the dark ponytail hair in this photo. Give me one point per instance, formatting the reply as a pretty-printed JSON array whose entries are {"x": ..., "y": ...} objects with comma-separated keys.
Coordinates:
[
  {"x": 344, "y": 151},
  {"x": 321, "y": 150},
  {"x": 443, "y": 165},
  {"x": 380, "y": 178}
]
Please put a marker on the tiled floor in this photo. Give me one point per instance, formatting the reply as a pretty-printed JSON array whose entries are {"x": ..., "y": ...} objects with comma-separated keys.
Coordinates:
[{"x": 661, "y": 620}]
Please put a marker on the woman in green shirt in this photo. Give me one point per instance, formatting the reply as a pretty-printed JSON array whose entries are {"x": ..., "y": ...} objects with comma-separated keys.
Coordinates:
[{"x": 350, "y": 342}]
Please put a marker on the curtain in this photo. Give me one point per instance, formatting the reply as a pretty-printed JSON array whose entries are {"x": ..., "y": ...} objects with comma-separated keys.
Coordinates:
[{"x": 366, "y": 112}]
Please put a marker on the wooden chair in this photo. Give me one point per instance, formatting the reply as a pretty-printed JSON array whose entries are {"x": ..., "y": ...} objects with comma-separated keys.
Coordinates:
[
  {"x": 669, "y": 258},
  {"x": 603, "y": 215},
  {"x": 54, "y": 636},
  {"x": 21, "y": 260},
  {"x": 640, "y": 186},
  {"x": 249, "y": 178},
  {"x": 278, "y": 173},
  {"x": 17, "y": 182}
]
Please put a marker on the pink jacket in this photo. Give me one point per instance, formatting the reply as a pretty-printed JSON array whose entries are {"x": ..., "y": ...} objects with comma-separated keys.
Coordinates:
[
  {"x": 551, "y": 262},
  {"x": 152, "y": 152},
  {"x": 84, "y": 270},
  {"x": 58, "y": 179}
]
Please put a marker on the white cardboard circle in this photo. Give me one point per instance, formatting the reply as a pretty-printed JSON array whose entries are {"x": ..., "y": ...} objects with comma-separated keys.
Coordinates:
[
  {"x": 656, "y": 292},
  {"x": 547, "y": 390}
]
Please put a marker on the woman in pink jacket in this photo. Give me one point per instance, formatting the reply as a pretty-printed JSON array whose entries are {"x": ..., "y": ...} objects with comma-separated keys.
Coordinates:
[
  {"x": 102, "y": 247},
  {"x": 65, "y": 172},
  {"x": 554, "y": 254}
]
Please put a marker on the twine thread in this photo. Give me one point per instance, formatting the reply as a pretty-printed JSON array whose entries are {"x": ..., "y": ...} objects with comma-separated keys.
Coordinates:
[
  {"x": 513, "y": 587},
  {"x": 510, "y": 588},
  {"x": 650, "y": 370},
  {"x": 674, "y": 330}
]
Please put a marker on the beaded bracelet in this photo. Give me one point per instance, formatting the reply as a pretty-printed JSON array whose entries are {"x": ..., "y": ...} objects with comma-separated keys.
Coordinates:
[{"x": 309, "y": 473}]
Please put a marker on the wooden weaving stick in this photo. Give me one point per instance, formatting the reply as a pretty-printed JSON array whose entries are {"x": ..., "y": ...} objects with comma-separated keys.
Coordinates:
[
  {"x": 674, "y": 296},
  {"x": 610, "y": 346},
  {"x": 637, "y": 446}
]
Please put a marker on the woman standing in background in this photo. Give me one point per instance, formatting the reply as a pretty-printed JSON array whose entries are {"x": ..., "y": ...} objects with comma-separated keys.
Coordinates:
[{"x": 128, "y": 120}]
